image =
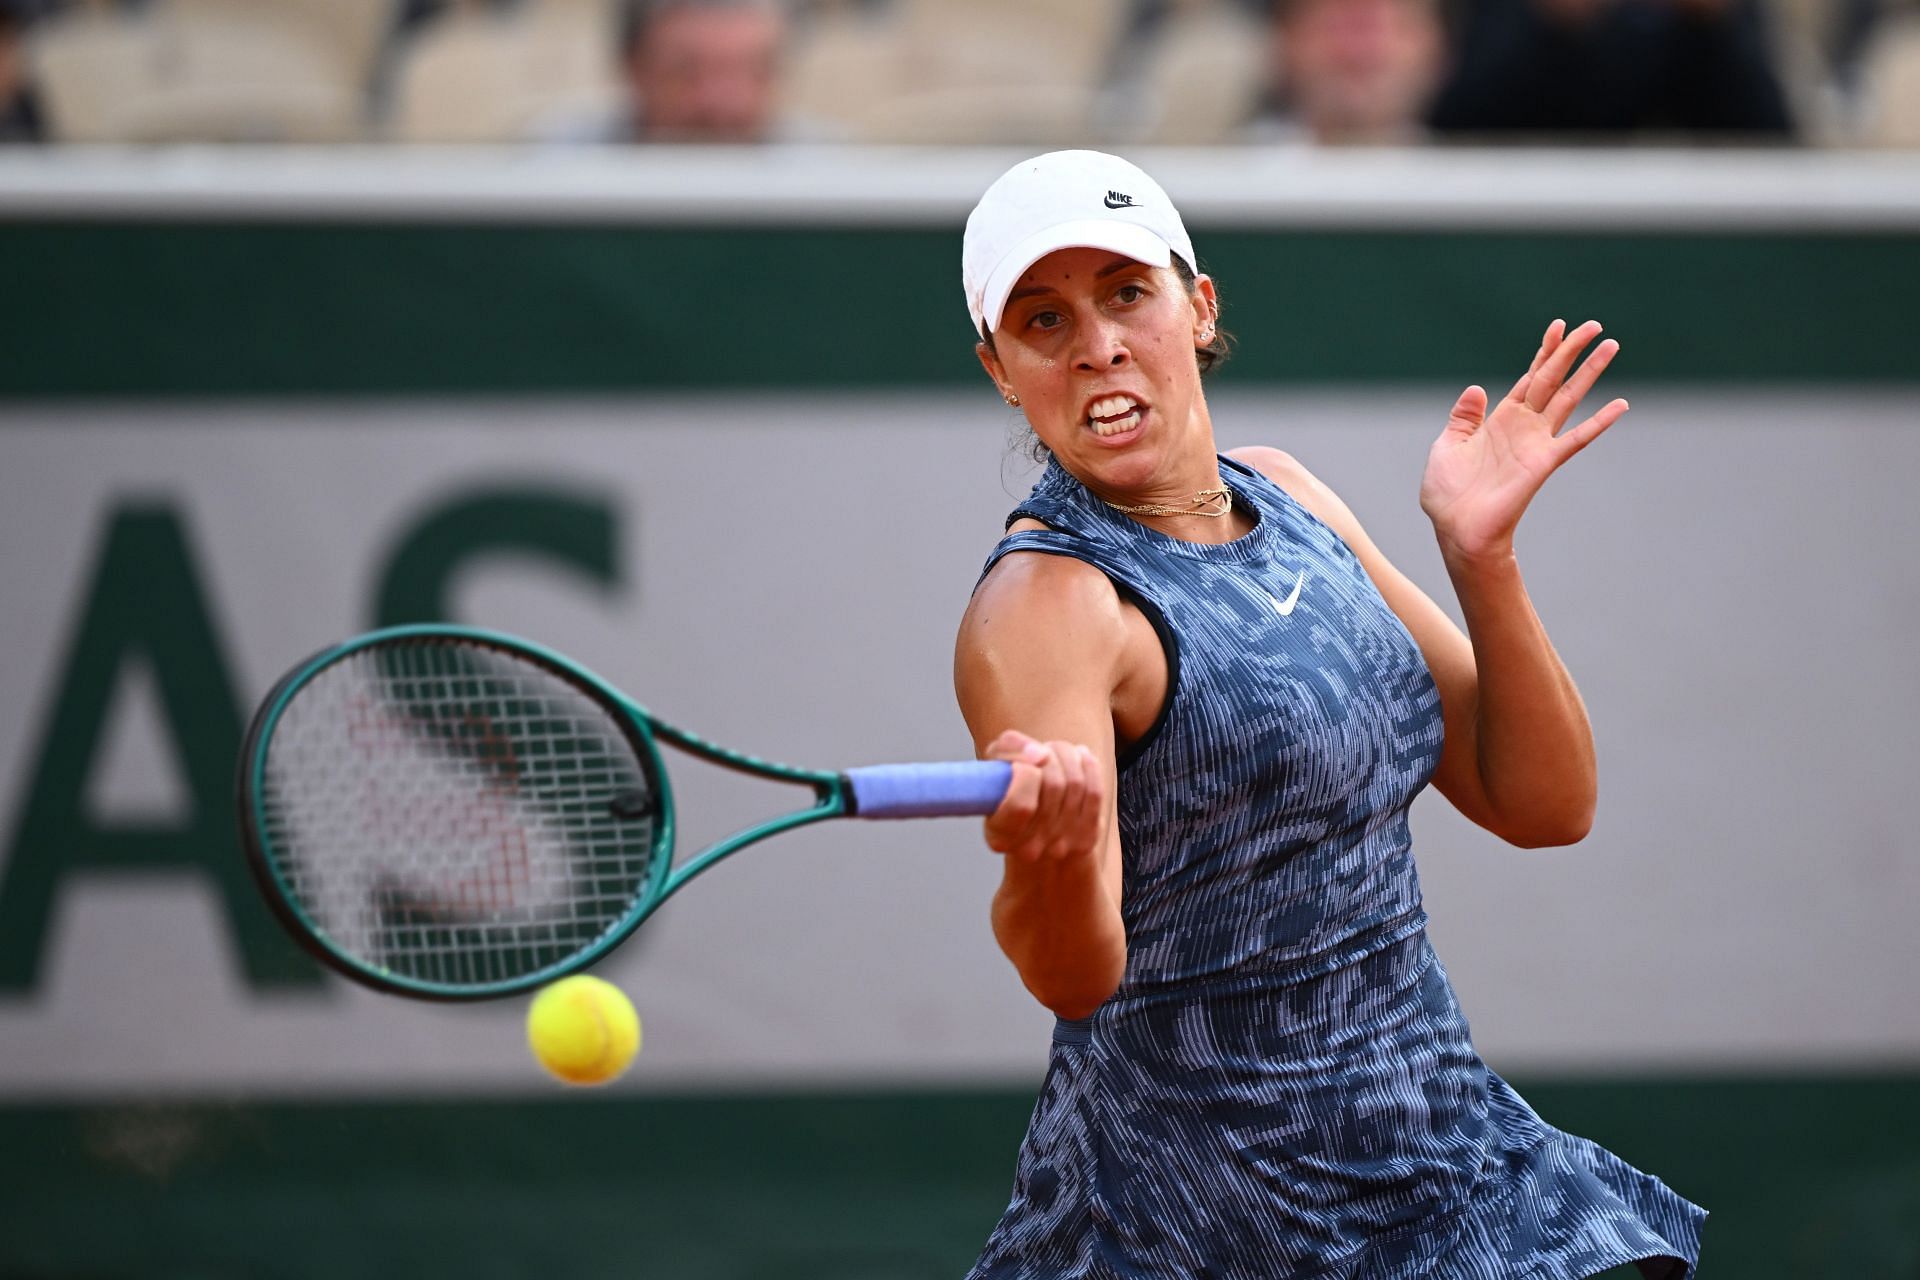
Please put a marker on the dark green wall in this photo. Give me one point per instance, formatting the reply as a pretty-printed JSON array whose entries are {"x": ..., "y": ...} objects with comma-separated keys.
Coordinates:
[
  {"x": 1804, "y": 1178},
  {"x": 116, "y": 309}
]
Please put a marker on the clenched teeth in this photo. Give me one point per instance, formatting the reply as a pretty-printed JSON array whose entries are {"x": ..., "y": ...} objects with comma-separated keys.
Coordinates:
[{"x": 1110, "y": 415}]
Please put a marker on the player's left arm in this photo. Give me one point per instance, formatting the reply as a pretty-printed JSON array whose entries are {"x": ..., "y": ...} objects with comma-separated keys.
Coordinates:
[{"x": 1519, "y": 757}]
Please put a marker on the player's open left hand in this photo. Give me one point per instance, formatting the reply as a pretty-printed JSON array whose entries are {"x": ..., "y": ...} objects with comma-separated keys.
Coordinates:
[
  {"x": 1489, "y": 462},
  {"x": 1055, "y": 806}
]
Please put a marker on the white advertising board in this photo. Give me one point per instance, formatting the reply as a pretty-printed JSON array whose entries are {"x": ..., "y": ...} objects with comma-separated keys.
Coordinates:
[{"x": 1728, "y": 576}]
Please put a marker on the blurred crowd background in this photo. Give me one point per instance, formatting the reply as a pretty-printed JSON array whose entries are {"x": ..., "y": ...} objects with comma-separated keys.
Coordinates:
[{"x": 1013, "y": 72}]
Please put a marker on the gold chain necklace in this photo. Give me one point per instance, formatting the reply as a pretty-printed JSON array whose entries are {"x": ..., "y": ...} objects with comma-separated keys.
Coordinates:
[{"x": 1223, "y": 496}]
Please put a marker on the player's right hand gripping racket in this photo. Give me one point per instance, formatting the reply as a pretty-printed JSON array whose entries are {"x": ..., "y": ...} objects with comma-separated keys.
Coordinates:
[{"x": 453, "y": 814}]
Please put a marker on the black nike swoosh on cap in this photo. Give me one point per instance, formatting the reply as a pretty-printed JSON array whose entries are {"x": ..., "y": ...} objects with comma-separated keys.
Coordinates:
[{"x": 1115, "y": 200}]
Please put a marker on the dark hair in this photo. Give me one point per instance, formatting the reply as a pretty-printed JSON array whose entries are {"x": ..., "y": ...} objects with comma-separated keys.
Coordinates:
[
  {"x": 1215, "y": 353},
  {"x": 638, "y": 16},
  {"x": 1210, "y": 357}
]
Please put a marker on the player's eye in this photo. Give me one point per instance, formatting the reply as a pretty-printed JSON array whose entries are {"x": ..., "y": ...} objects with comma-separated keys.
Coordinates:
[
  {"x": 1129, "y": 293},
  {"x": 1045, "y": 320}
]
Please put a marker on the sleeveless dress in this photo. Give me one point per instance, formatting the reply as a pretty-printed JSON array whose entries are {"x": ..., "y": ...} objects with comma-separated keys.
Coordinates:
[{"x": 1284, "y": 1085}]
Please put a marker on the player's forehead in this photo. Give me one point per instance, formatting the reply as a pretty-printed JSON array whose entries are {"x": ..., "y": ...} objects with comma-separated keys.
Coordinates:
[{"x": 1064, "y": 269}]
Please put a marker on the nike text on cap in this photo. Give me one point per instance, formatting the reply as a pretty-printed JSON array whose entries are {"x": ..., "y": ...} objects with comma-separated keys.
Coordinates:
[{"x": 1063, "y": 200}]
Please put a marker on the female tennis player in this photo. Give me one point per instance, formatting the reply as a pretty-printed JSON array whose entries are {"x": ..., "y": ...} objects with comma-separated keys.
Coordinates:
[{"x": 1221, "y": 699}]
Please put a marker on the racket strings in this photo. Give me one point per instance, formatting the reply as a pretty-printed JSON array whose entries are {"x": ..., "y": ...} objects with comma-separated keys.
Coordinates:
[{"x": 455, "y": 814}]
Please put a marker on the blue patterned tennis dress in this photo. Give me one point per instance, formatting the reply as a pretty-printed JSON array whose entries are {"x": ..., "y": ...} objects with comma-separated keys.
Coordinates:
[{"x": 1284, "y": 1084}]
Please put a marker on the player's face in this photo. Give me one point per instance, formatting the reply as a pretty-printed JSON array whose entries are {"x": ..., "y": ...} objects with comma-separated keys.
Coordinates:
[{"x": 1100, "y": 350}]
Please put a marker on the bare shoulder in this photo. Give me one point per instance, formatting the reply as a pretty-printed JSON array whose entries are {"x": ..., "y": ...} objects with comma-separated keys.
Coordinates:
[
  {"x": 1057, "y": 594},
  {"x": 1302, "y": 486},
  {"x": 1040, "y": 628},
  {"x": 1268, "y": 461}
]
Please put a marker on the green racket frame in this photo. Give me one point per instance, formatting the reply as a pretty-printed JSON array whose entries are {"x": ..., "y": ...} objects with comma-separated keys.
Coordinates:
[{"x": 643, "y": 731}]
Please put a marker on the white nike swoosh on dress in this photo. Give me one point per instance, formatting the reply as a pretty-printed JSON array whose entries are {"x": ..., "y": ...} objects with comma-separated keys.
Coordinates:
[{"x": 1285, "y": 607}]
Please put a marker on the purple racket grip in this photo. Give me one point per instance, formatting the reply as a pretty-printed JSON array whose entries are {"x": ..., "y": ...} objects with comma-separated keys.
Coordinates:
[{"x": 929, "y": 790}]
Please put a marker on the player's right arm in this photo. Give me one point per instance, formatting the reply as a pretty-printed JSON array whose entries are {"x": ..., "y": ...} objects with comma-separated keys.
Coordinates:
[{"x": 1037, "y": 665}]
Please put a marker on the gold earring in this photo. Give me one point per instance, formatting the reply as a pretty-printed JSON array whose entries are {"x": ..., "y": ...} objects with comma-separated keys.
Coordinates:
[{"x": 1013, "y": 400}]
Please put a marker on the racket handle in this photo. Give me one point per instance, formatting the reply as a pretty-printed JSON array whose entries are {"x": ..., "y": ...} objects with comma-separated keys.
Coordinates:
[{"x": 929, "y": 790}]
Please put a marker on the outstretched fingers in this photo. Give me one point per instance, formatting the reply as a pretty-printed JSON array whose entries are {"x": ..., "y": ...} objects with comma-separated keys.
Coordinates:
[
  {"x": 1548, "y": 379},
  {"x": 1568, "y": 398},
  {"x": 1549, "y": 343},
  {"x": 1573, "y": 441}
]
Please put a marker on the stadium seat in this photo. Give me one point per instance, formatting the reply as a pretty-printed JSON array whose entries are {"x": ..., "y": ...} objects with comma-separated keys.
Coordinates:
[
  {"x": 90, "y": 68},
  {"x": 840, "y": 65},
  {"x": 1038, "y": 115},
  {"x": 572, "y": 59},
  {"x": 175, "y": 75},
  {"x": 475, "y": 76},
  {"x": 930, "y": 71},
  {"x": 1803, "y": 36},
  {"x": 458, "y": 81},
  {"x": 605, "y": 13},
  {"x": 1067, "y": 43},
  {"x": 245, "y": 74},
  {"x": 351, "y": 33},
  {"x": 1890, "y": 84},
  {"x": 1202, "y": 76}
]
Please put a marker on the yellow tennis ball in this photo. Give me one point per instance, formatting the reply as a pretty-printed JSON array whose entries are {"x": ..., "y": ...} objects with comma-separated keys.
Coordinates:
[{"x": 583, "y": 1030}]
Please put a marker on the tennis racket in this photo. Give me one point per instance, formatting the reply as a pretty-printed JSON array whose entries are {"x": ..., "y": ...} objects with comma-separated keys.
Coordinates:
[{"x": 455, "y": 814}]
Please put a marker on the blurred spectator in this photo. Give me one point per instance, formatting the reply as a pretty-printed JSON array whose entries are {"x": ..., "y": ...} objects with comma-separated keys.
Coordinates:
[
  {"x": 19, "y": 113},
  {"x": 1613, "y": 66},
  {"x": 1350, "y": 71},
  {"x": 696, "y": 71}
]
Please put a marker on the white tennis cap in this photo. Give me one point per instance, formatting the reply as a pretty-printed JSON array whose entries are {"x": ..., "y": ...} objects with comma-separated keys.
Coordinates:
[{"x": 1064, "y": 200}]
